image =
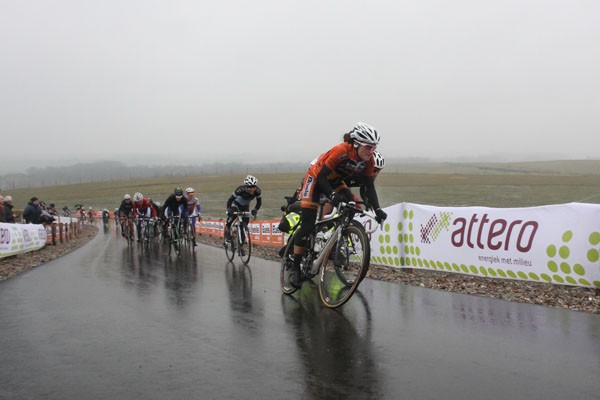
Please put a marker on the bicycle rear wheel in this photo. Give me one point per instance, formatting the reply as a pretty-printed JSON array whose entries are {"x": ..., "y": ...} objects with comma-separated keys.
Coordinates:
[
  {"x": 245, "y": 247},
  {"x": 344, "y": 266},
  {"x": 230, "y": 246},
  {"x": 146, "y": 235},
  {"x": 127, "y": 233},
  {"x": 286, "y": 287}
]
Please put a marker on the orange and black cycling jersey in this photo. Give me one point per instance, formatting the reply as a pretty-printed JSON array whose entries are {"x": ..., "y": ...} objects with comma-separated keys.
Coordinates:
[{"x": 343, "y": 162}]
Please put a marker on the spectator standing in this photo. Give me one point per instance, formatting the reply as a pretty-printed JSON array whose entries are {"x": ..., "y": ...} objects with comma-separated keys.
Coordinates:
[
  {"x": 2, "y": 210},
  {"x": 8, "y": 207},
  {"x": 33, "y": 211},
  {"x": 52, "y": 209}
]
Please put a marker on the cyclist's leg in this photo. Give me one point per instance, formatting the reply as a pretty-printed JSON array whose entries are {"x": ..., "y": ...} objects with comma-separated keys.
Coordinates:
[
  {"x": 138, "y": 226},
  {"x": 193, "y": 228},
  {"x": 309, "y": 216},
  {"x": 130, "y": 223},
  {"x": 244, "y": 223},
  {"x": 228, "y": 223}
]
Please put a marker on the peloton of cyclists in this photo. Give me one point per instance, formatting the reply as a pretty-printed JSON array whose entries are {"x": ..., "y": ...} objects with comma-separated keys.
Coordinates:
[
  {"x": 240, "y": 201},
  {"x": 351, "y": 158}
]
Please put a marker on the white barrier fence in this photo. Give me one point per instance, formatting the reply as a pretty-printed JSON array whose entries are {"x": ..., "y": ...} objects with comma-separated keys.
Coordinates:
[
  {"x": 559, "y": 244},
  {"x": 21, "y": 238}
]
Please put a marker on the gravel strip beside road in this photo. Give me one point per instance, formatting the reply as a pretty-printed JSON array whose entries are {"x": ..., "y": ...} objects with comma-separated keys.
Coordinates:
[{"x": 566, "y": 297}]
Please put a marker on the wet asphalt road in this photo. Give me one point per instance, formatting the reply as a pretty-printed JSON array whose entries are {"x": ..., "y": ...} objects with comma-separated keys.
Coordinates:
[{"x": 109, "y": 322}]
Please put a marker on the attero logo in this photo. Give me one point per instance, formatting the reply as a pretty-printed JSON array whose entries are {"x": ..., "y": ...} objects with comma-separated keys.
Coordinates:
[
  {"x": 494, "y": 234},
  {"x": 4, "y": 236}
]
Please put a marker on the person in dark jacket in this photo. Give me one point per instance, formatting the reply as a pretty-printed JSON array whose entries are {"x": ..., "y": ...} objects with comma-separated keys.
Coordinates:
[
  {"x": 8, "y": 207},
  {"x": 2, "y": 210},
  {"x": 33, "y": 211}
]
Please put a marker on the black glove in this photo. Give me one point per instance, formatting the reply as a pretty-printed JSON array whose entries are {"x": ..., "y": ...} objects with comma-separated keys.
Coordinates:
[
  {"x": 380, "y": 215},
  {"x": 254, "y": 212},
  {"x": 230, "y": 211}
]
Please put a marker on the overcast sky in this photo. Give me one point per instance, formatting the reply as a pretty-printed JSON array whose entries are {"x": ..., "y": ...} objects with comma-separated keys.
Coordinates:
[{"x": 283, "y": 79}]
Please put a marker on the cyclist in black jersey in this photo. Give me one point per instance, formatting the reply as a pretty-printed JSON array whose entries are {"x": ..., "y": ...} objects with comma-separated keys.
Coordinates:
[
  {"x": 240, "y": 201},
  {"x": 126, "y": 213},
  {"x": 175, "y": 204}
]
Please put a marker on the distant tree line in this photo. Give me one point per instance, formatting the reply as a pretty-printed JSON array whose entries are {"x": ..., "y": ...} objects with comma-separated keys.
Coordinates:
[{"x": 115, "y": 170}]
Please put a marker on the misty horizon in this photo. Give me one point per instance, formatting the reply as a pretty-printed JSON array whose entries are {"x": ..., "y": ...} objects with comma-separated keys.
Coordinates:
[{"x": 283, "y": 81}]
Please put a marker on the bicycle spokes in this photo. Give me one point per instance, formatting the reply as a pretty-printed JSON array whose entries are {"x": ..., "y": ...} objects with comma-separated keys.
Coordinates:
[{"x": 344, "y": 267}]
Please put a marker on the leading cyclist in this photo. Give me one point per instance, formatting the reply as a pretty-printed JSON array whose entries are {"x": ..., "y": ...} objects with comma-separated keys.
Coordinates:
[
  {"x": 351, "y": 158},
  {"x": 240, "y": 201}
]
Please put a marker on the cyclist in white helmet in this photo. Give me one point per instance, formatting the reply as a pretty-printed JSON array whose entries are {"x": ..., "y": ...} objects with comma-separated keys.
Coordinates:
[
  {"x": 142, "y": 209},
  {"x": 240, "y": 201},
  {"x": 352, "y": 159},
  {"x": 194, "y": 210}
]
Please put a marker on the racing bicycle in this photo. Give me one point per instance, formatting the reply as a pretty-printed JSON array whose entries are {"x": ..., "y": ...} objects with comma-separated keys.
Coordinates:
[
  {"x": 241, "y": 242},
  {"x": 174, "y": 231},
  {"x": 338, "y": 251}
]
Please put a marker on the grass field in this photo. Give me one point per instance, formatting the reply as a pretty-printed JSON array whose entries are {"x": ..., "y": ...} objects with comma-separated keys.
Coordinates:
[{"x": 489, "y": 185}]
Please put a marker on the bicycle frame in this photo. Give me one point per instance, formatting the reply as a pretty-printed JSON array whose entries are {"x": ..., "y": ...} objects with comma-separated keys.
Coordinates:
[
  {"x": 341, "y": 264},
  {"x": 242, "y": 247}
]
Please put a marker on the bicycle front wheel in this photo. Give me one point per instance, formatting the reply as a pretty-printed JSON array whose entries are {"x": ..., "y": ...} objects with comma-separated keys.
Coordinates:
[
  {"x": 230, "y": 246},
  {"x": 245, "y": 247},
  {"x": 176, "y": 239},
  {"x": 344, "y": 266}
]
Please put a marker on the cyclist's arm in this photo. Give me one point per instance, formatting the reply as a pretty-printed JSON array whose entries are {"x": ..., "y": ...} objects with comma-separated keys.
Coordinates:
[
  {"x": 371, "y": 192},
  {"x": 230, "y": 200},
  {"x": 258, "y": 203},
  {"x": 323, "y": 182}
]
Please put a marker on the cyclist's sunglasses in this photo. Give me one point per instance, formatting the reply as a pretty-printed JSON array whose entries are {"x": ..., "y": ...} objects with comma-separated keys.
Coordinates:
[
  {"x": 370, "y": 147},
  {"x": 251, "y": 186}
]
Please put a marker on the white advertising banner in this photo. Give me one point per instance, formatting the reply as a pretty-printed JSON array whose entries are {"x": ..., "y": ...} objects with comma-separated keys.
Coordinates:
[
  {"x": 21, "y": 238},
  {"x": 558, "y": 244}
]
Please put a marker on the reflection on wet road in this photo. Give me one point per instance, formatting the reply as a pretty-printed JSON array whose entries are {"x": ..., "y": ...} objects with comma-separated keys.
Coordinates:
[{"x": 109, "y": 321}]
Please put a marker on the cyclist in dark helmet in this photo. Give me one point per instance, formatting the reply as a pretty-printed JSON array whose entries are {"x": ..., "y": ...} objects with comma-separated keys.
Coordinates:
[{"x": 175, "y": 204}]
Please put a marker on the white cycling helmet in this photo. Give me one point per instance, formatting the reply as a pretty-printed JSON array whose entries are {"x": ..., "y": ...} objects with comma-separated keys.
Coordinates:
[
  {"x": 379, "y": 161},
  {"x": 137, "y": 197},
  {"x": 364, "y": 133},
  {"x": 190, "y": 190},
  {"x": 127, "y": 197},
  {"x": 250, "y": 181}
]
